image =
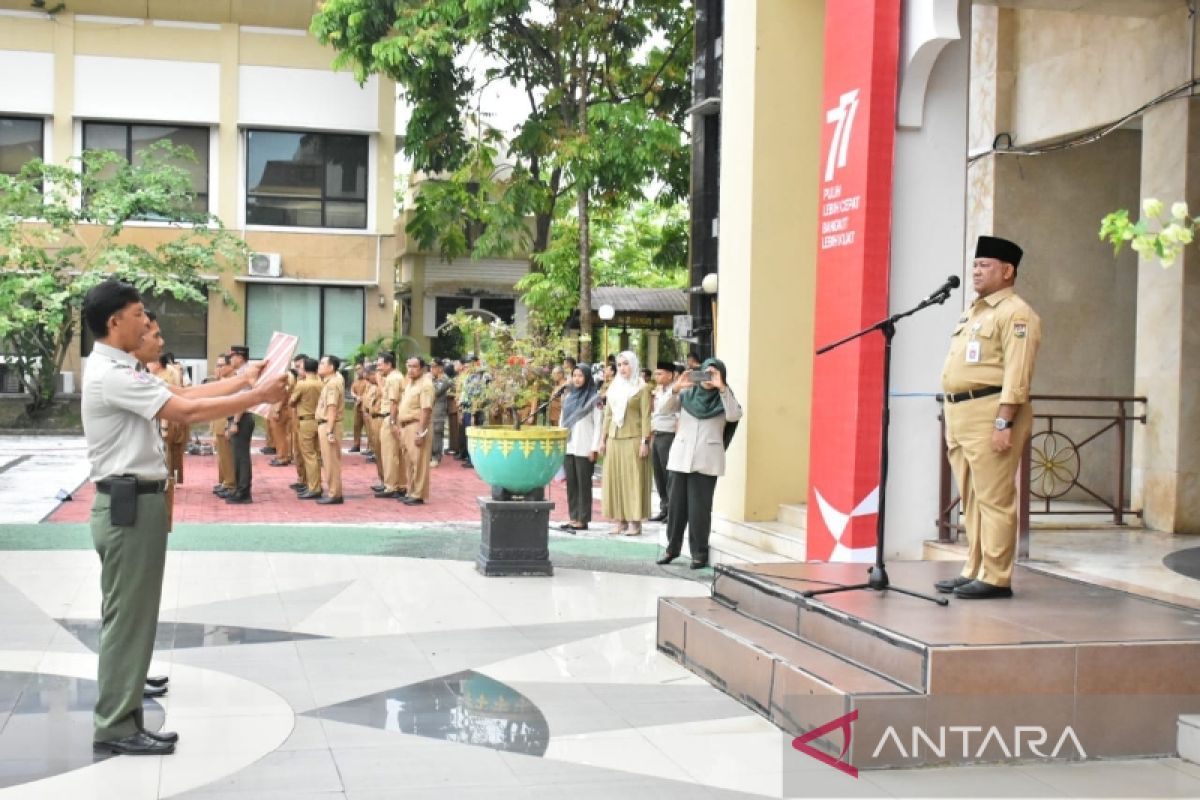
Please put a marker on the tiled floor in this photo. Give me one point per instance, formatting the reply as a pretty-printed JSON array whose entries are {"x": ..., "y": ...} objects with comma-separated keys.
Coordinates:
[{"x": 310, "y": 675}]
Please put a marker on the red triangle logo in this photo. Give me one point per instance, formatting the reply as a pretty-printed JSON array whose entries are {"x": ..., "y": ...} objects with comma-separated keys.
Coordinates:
[{"x": 844, "y": 723}]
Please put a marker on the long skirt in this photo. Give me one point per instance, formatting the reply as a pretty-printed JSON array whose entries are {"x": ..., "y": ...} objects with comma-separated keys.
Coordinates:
[{"x": 626, "y": 481}]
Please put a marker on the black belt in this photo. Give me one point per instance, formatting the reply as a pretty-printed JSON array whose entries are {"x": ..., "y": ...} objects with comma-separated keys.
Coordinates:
[
  {"x": 380, "y": 416},
  {"x": 304, "y": 419},
  {"x": 104, "y": 486},
  {"x": 973, "y": 394}
]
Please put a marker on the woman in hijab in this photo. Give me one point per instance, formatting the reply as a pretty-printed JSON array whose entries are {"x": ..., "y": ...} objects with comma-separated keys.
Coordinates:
[
  {"x": 581, "y": 415},
  {"x": 708, "y": 416},
  {"x": 625, "y": 442}
]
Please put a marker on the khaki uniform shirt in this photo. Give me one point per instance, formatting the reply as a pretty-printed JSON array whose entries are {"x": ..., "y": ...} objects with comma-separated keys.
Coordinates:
[
  {"x": 358, "y": 388},
  {"x": 370, "y": 399},
  {"x": 333, "y": 393},
  {"x": 393, "y": 387},
  {"x": 995, "y": 343},
  {"x": 305, "y": 396},
  {"x": 118, "y": 409},
  {"x": 418, "y": 395}
]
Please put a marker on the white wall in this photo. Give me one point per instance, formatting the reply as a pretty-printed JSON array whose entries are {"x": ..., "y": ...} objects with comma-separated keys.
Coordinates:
[
  {"x": 145, "y": 89},
  {"x": 928, "y": 227},
  {"x": 283, "y": 97},
  {"x": 26, "y": 82}
]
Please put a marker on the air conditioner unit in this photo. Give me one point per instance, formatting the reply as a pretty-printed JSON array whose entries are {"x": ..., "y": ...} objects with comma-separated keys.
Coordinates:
[{"x": 266, "y": 265}]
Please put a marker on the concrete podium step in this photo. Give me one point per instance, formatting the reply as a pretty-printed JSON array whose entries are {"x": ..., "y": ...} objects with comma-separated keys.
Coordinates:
[{"x": 785, "y": 536}]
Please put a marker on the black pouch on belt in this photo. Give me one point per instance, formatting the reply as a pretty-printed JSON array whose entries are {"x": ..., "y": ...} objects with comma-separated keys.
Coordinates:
[{"x": 123, "y": 495}]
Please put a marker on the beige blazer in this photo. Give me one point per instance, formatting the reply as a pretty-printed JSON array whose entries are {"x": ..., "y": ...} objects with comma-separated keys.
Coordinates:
[{"x": 699, "y": 445}]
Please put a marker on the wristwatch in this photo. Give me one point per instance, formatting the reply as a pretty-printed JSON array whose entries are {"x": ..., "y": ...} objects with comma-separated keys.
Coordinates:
[{"x": 1003, "y": 424}]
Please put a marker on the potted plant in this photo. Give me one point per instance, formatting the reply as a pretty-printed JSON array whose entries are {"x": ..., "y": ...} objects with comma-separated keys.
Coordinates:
[{"x": 510, "y": 451}]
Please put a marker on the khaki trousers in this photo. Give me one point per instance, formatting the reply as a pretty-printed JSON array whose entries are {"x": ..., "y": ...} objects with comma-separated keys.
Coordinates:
[
  {"x": 390, "y": 458},
  {"x": 308, "y": 454},
  {"x": 293, "y": 425},
  {"x": 279, "y": 435},
  {"x": 417, "y": 454},
  {"x": 225, "y": 473},
  {"x": 331, "y": 457},
  {"x": 359, "y": 413},
  {"x": 373, "y": 426},
  {"x": 131, "y": 576},
  {"x": 987, "y": 483}
]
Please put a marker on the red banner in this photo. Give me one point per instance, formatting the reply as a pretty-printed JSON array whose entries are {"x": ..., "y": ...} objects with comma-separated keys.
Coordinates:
[{"x": 862, "y": 42}]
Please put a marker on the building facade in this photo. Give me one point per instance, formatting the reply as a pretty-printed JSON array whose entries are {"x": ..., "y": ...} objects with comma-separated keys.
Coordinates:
[{"x": 293, "y": 156}]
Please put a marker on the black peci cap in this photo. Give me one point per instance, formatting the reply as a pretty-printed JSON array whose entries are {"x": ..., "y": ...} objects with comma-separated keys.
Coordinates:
[{"x": 999, "y": 249}]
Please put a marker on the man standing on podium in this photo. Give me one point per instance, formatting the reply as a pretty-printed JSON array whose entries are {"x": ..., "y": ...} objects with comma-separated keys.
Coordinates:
[{"x": 988, "y": 415}]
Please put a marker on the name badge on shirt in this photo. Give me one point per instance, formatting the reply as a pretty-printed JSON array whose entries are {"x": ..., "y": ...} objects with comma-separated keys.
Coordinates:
[{"x": 973, "y": 352}]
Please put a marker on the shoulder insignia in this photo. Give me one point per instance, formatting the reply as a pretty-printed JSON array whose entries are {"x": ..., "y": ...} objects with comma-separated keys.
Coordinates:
[
  {"x": 140, "y": 377},
  {"x": 1019, "y": 329}
]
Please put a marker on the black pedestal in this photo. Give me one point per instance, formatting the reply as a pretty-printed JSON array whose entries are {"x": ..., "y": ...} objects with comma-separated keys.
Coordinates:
[{"x": 516, "y": 537}]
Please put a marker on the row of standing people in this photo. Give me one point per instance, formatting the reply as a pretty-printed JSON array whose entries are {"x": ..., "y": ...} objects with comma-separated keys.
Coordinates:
[{"x": 678, "y": 434}]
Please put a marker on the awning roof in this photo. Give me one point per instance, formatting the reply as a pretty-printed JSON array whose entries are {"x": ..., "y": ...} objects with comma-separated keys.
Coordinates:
[{"x": 668, "y": 302}]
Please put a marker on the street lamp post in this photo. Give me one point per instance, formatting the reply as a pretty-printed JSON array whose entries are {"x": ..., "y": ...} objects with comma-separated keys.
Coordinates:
[
  {"x": 606, "y": 313},
  {"x": 709, "y": 285}
]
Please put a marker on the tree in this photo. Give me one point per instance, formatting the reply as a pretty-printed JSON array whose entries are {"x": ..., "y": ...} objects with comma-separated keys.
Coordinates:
[
  {"x": 60, "y": 235},
  {"x": 606, "y": 82},
  {"x": 1155, "y": 234},
  {"x": 645, "y": 245}
]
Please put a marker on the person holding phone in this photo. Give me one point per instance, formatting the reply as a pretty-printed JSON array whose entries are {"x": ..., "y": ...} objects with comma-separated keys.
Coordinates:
[
  {"x": 708, "y": 416},
  {"x": 625, "y": 443}
]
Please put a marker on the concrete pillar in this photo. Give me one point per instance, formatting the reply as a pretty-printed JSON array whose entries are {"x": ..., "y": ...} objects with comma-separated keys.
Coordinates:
[
  {"x": 770, "y": 153},
  {"x": 1166, "y": 460},
  {"x": 652, "y": 353},
  {"x": 64, "y": 88}
]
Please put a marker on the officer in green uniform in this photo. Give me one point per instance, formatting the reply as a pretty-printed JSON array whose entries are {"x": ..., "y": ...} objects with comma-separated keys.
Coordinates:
[{"x": 129, "y": 517}]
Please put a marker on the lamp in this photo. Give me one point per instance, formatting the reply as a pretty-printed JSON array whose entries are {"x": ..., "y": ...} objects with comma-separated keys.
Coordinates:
[
  {"x": 606, "y": 313},
  {"x": 709, "y": 285}
]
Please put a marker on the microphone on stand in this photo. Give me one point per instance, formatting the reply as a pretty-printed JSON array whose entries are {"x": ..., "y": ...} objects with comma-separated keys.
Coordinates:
[{"x": 944, "y": 290}]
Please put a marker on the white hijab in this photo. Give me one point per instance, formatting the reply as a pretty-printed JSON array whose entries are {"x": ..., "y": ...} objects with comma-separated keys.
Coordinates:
[{"x": 622, "y": 389}]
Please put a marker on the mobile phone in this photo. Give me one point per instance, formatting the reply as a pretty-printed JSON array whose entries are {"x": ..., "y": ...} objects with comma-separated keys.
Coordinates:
[{"x": 697, "y": 376}]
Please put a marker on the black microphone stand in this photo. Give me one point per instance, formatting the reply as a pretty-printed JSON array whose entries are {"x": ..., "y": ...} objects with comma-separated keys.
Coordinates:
[{"x": 877, "y": 577}]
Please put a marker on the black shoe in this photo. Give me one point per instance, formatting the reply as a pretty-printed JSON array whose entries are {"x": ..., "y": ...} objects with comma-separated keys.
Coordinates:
[
  {"x": 218, "y": 487},
  {"x": 170, "y": 737},
  {"x": 658, "y": 517},
  {"x": 666, "y": 559},
  {"x": 239, "y": 500},
  {"x": 267, "y": 451},
  {"x": 387, "y": 495},
  {"x": 566, "y": 526},
  {"x": 157, "y": 681},
  {"x": 379, "y": 487},
  {"x": 224, "y": 494},
  {"x": 329, "y": 501},
  {"x": 978, "y": 590},
  {"x": 152, "y": 692},
  {"x": 297, "y": 486},
  {"x": 139, "y": 744},
  {"x": 370, "y": 459},
  {"x": 466, "y": 464},
  {"x": 354, "y": 450},
  {"x": 950, "y": 584},
  {"x": 308, "y": 495},
  {"x": 698, "y": 564},
  {"x": 413, "y": 501},
  {"x": 275, "y": 462}
]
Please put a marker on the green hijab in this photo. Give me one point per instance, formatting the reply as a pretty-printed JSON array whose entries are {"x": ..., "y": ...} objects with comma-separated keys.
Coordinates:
[{"x": 704, "y": 403}]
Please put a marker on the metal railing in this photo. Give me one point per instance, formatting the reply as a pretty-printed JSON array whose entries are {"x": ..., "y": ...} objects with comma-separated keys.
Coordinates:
[{"x": 1052, "y": 463}]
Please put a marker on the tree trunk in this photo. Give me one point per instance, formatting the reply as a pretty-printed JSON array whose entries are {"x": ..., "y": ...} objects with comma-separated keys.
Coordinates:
[{"x": 585, "y": 248}]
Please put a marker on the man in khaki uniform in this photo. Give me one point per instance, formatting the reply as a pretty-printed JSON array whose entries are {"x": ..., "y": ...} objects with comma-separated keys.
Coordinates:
[
  {"x": 304, "y": 399},
  {"x": 226, "y": 482},
  {"x": 414, "y": 417},
  {"x": 330, "y": 408},
  {"x": 372, "y": 398},
  {"x": 357, "y": 390},
  {"x": 394, "y": 478},
  {"x": 277, "y": 422},
  {"x": 175, "y": 435},
  {"x": 296, "y": 375},
  {"x": 988, "y": 415}
]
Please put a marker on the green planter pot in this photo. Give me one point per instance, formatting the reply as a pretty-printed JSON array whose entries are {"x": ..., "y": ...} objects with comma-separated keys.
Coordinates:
[{"x": 519, "y": 461}]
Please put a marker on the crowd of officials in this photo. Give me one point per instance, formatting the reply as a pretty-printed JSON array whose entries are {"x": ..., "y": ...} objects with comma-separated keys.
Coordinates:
[{"x": 668, "y": 427}]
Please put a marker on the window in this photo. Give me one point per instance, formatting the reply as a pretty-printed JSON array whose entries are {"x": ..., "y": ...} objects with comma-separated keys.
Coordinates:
[
  {"x": 503, "y": 307},
  {"x": 326, "y": 319},
  {"x": 311, "y": 180},
  {"x": 20, "y": 142},
  {"x": 130, "y": 141},
  {"x": 445, "y": 306},
  {"x": 184, "y": 326}
]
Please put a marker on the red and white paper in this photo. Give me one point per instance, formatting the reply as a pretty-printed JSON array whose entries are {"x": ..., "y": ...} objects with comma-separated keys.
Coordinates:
[{"x": 278, "y": 359}]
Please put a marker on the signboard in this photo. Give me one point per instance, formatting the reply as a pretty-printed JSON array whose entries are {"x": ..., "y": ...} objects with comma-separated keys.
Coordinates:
[
  {"x": 862, "y": 42},
  {"x": 279, "y": 360}
]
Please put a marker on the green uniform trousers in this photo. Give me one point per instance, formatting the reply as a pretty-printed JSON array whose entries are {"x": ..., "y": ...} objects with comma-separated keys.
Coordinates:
[{"x": 131, "y": 575}]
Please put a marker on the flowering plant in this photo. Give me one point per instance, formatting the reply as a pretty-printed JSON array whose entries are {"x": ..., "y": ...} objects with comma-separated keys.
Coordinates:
[
  {"x": 514, "y": 372},
  {"x": 1155, "y": 233}
]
